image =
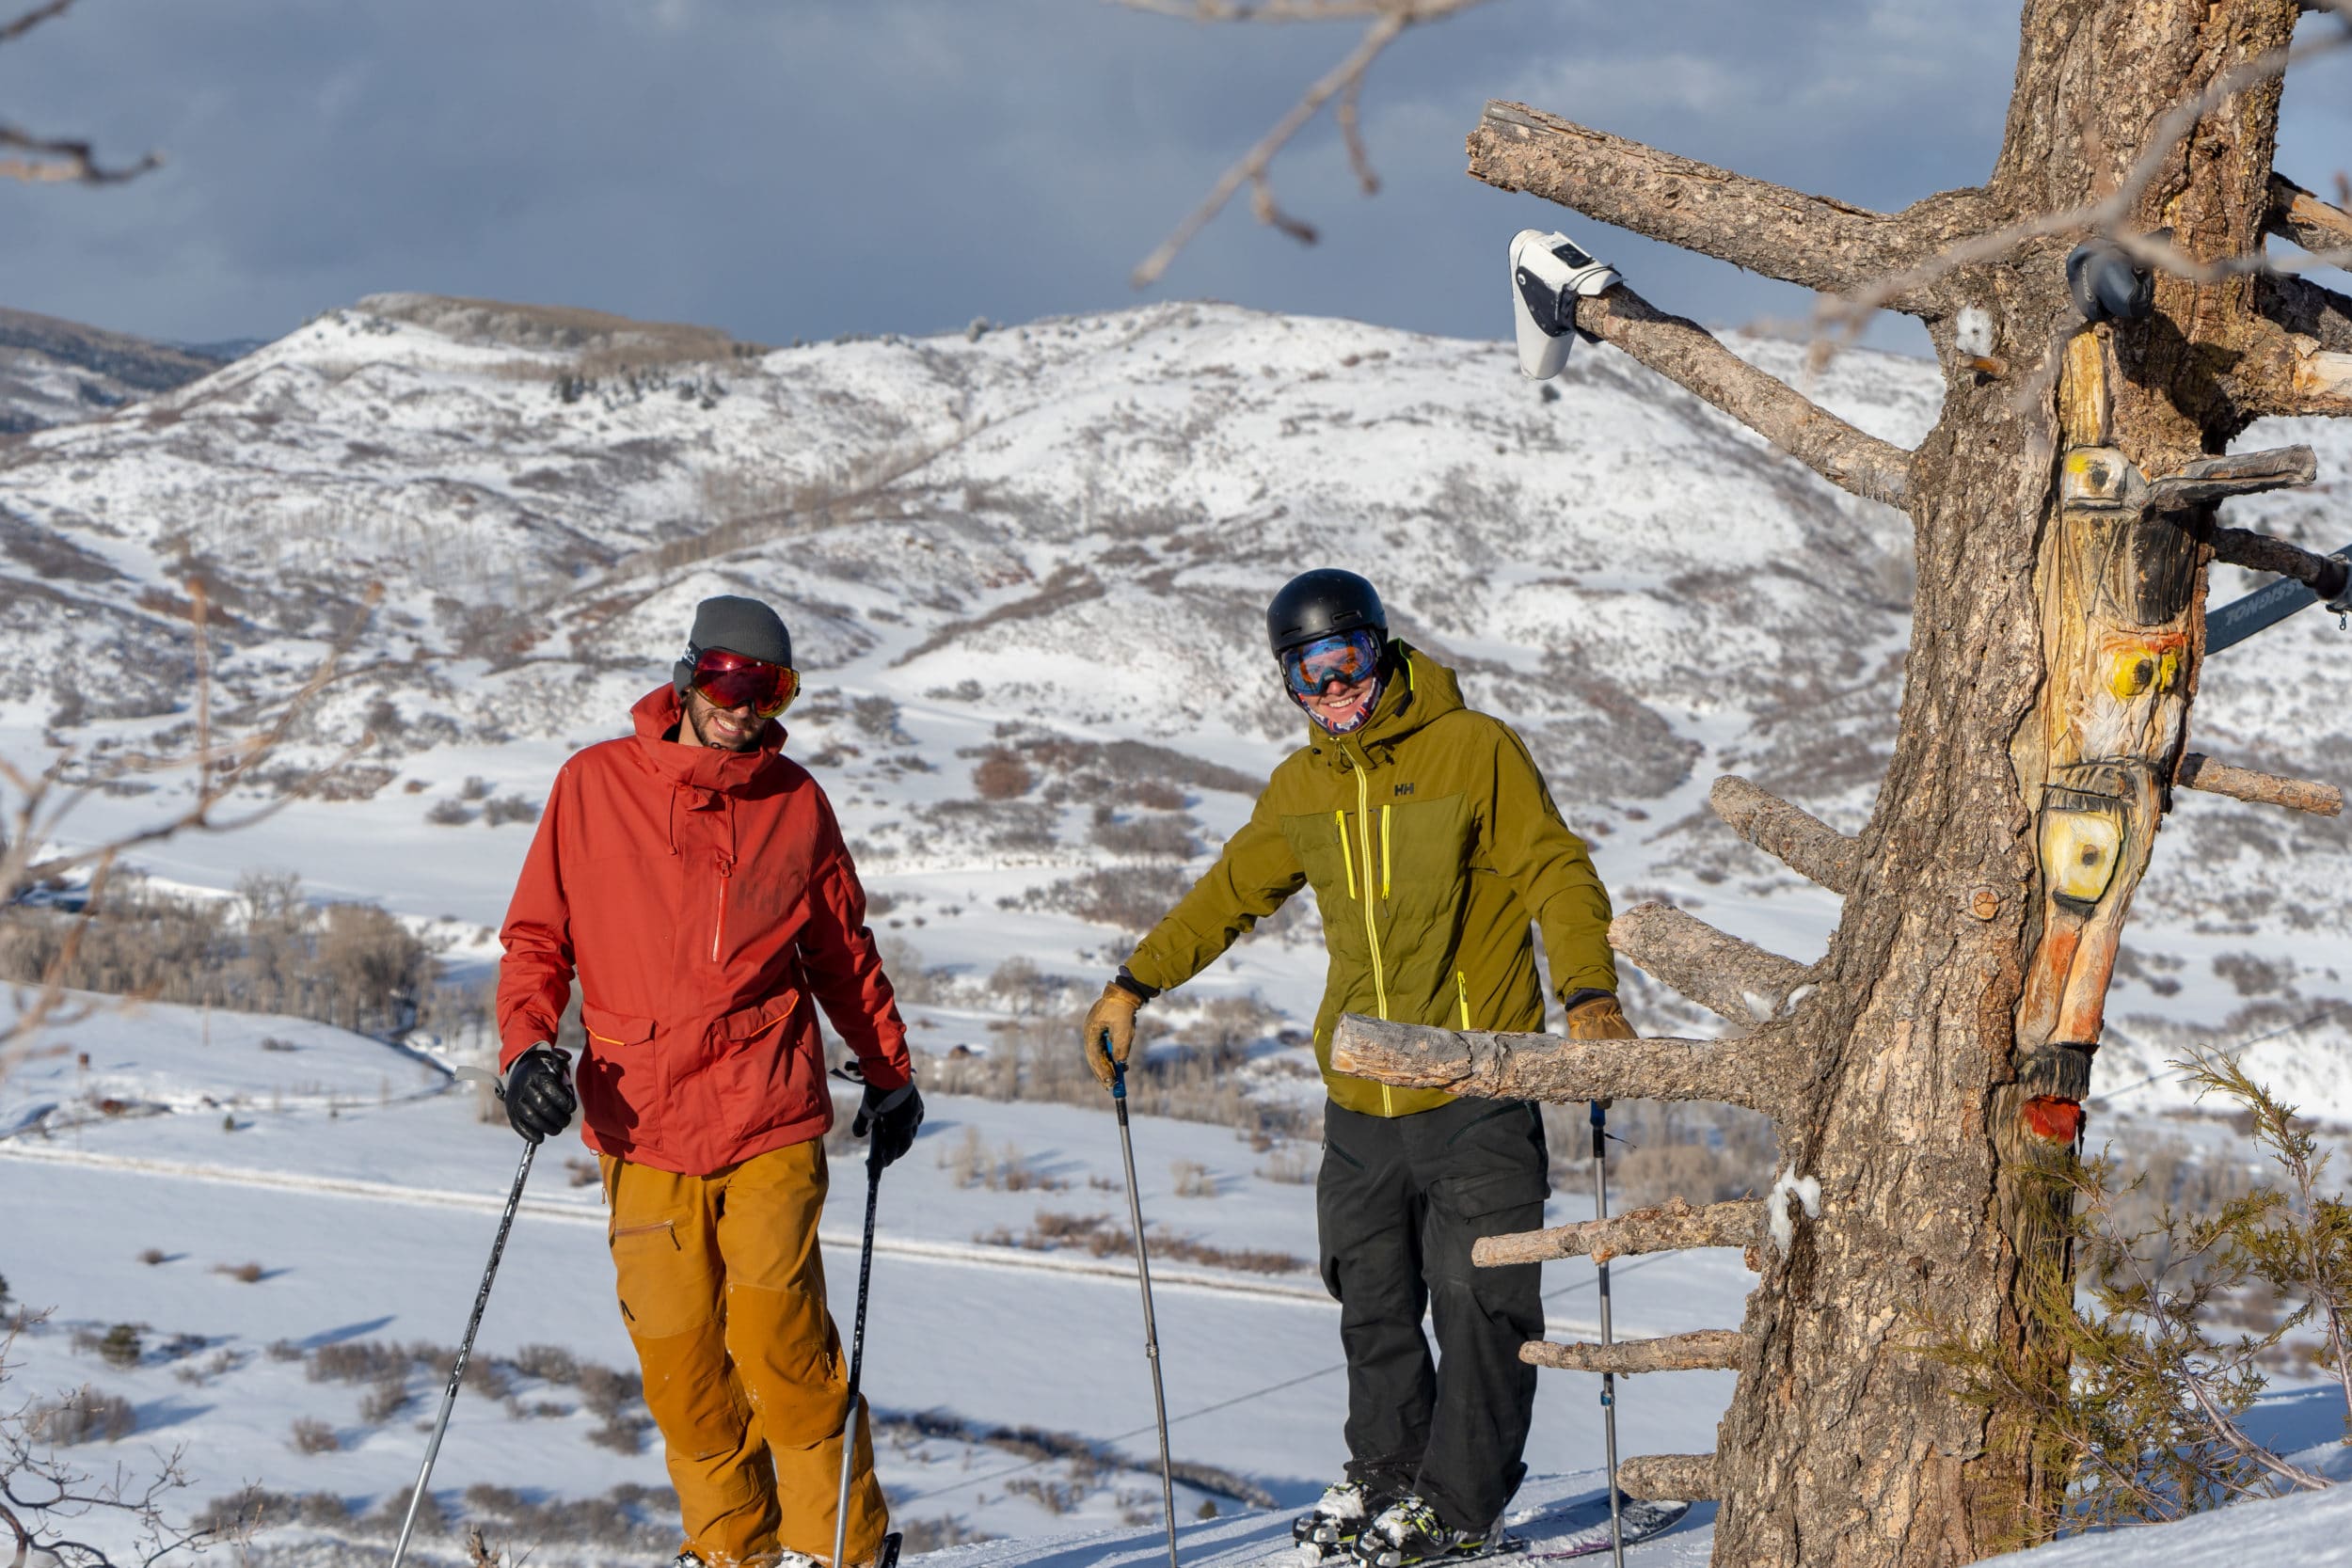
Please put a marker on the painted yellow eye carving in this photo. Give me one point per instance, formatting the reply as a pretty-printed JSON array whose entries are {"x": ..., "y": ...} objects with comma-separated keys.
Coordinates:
[
  {"x": 2079, "y": 851},
  {"x": 2135, "y": 671}
]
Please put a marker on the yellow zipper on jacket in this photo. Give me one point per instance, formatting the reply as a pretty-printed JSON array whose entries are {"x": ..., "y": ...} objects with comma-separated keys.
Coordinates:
[
  {"x": 1371, "y": 921},
  {"x": 1461, "y": 989},
  {"x": 1338, "y": 821},
  {"x": 1385, "y": 813}
]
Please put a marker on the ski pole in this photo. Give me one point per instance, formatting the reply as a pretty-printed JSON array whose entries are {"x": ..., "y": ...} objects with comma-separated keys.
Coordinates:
[
  {"x": 1143, "y": 1271},
  {"x": 1608, "y": 1380},
  {"x": 465, "y": 1351},
  {"x": 857, "y": 1345}
]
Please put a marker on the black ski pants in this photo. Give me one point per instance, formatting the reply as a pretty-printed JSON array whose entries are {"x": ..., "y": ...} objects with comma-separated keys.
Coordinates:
[{"x": 1398, "y": 1205}]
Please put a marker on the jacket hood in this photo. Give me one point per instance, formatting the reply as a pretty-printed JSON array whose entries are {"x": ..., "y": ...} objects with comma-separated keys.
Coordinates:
[
  {"x": 1419, "y": 692},
  {"x": 660, "y": 712}
]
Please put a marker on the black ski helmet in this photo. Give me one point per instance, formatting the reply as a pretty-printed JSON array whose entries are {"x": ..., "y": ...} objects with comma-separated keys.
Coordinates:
[{"x": 1322, "y": 603}]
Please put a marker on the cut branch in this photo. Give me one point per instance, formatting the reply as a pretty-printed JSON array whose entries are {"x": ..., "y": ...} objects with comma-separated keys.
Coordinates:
[
  {"x": 2307, "y": 310},
  {"x": 1544, "y": 1067},
  {"x": 1807, "y": 240},
  {"x": 1719, "y": 971},
  {"x": 2299, "y": 215},
  {"x": 2324, "y": 575},
  {"x": 1670, "y": 1226},
  {"x": 1704, "y": 1349},
  {"x": 2238, "y": 473},
  {"x": 1796, "y": 838},
  {"x": 1688, "y": 355},
  {"x": 1659, "y": 1477},
  {"x": 2200, "y": 772}
]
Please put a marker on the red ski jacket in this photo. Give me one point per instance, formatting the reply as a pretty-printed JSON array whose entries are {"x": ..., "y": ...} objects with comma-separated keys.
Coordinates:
[{"x": 705, "y": 899}]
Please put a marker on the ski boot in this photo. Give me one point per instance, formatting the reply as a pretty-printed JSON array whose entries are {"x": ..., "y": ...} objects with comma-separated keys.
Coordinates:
[
  {"x": 1328, "y": 1529},
  {"x": 1408, "y": 1532}
]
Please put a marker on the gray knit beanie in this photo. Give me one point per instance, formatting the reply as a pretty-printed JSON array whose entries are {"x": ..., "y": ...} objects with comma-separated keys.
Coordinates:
[{"x": 739, "y": 625}]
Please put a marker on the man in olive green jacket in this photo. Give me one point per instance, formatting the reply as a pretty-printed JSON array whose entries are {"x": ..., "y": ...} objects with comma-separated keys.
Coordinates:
[{"x": 1431, "y": 843}]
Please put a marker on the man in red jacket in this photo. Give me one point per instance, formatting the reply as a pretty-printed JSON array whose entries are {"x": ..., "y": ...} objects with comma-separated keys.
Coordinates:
[{"x": 696, "y": 882}]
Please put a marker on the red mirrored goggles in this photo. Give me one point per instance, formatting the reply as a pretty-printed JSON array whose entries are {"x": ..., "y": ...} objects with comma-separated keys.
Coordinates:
[{"x": 731, "y": 681}]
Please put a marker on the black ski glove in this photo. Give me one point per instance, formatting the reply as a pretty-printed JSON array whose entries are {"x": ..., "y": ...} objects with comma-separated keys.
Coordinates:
[
  {"x": 538, "y": 1092},
  {"x": 891, "y": 1116}
]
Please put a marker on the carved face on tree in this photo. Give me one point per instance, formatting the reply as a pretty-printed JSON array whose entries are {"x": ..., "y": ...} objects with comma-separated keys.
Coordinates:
[{"x": 2114, "y": 714}]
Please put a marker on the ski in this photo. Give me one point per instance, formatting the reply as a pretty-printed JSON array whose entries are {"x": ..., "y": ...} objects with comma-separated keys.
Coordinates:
[{"x": 1639, "y": 1520}]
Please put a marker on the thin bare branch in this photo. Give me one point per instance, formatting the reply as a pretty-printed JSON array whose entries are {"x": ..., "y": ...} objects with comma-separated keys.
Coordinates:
[
  {"x": 1670, "y": 1226},
  {"x": 1251, "y": 167},
  {"x": 1347, "y": 113},
  {"x": 1681, "y": 1477},
  {"x": 2104, "y": 216},
  {"x": 1390, "y": 20},
  {"x": 1812, "y": 241},
  {"x": 55, "y": 161},
  {"x": 11, "y": 31},
  {"x": 1688, "y": 355},
  {"x": 1544, "y": 1067}
]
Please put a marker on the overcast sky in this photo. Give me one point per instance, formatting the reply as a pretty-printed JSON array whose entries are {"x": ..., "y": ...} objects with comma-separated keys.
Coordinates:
[{"x": 789, "y": 169}]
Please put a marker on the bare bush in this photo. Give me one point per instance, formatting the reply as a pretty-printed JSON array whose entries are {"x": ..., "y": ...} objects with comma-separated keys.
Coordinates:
[
  {"x": 1294, "y": 1165},
  {"x": 1099, "y": 1236},
  {"x": 1192, "y": 1179},
  {"x": 386, "y": 1400},
  {"x": 269, "y": 950},
  {"x": 1001, "y": 775},
  {"x": 314, "y": 1436},
  {"x": 248, "y": 1273},
  {"x": 85, "y": 1415},
  {"x": 1152, "y": 835}
]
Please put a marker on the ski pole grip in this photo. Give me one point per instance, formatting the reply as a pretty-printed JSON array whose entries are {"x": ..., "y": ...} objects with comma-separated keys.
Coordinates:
[
  {"x": 1601, "y": 1135},
  {"x": 1119, "y": 1069}
]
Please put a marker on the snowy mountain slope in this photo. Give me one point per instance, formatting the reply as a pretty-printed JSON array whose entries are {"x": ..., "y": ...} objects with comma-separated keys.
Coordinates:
[
  {"x": 57, "y": 371},
  {"x": 1065, "y": 532}
]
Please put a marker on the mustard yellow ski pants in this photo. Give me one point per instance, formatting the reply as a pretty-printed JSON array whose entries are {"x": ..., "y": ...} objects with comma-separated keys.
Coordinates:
[{"x": 724, "y": 1295}]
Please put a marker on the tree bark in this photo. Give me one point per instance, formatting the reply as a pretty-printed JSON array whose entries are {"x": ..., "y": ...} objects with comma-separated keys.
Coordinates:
[
  {"x": 1719, "y": 971},
  {"x": 2199, "y": 771},
  {"x": 1796, "y": 838},
  {"x": 1755, "y": 1071},
  {"x": 1684, "y": 1477},
  {"x": 1689, "y": 355},
  {"x": 1704, "y": 1349},
  {"x": 1667, "y": 1228},
  {"x": 2057, "y": 635},
  {"x": 1813, "y": 242}
]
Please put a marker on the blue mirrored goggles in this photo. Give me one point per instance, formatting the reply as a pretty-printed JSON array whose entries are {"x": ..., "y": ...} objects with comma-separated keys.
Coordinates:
[{"x": 1347, "y": 657}]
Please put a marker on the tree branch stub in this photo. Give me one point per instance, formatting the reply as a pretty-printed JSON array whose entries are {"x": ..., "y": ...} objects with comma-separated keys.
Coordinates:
[
  {"x": 1690, "y": 357},
  {"x": 1729, "y": 977},
  {"x": 1545, "y": 1067},
  {"x": 2324, "y": 575},
  {"x": 1703, "y": 1350},
  {"x": 1791, "y": 835},
  {"x": 1669, "y": 1227},
  {"x": 1813, "y": 242},
  {"x": 2200, "y": 772},
  {"x": 1679, "y": 1477}
]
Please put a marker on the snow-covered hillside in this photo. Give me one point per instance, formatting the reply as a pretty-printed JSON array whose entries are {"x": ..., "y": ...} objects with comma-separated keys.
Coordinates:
[
  {"x": 1052, "y": 543},
  {"x": 1065, "y": 532}
]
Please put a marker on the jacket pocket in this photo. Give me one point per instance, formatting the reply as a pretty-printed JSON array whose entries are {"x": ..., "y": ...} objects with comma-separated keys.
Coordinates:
[
  {"x": 764, "y": 1068},
  {"x": 605, "y": 1027},
  {"x": 620, "y": 1084}
]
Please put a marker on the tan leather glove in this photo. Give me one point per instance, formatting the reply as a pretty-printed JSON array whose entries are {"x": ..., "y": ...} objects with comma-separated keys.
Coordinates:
[
  {"x": 1599, "y": 1017},
  {"x": 1113, "y": 1015}
]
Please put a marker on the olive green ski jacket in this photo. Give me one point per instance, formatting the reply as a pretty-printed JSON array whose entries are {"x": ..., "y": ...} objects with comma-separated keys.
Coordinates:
[{"x": 1431, "y": 842}]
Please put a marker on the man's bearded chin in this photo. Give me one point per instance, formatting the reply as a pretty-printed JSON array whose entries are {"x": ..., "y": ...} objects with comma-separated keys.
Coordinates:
[{"x": 1355, "y": 717}]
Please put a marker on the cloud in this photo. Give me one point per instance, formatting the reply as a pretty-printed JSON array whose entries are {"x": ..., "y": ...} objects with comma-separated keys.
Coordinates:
[{"x": 833, "y": 165}]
